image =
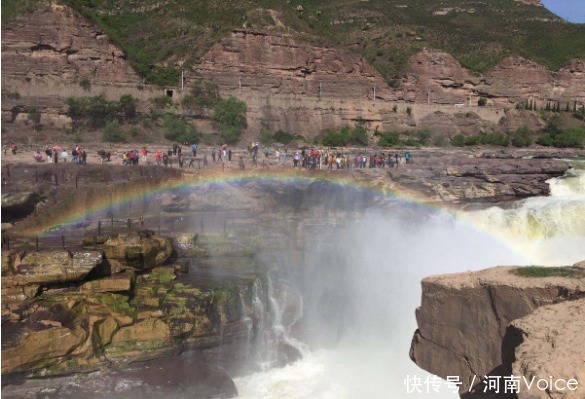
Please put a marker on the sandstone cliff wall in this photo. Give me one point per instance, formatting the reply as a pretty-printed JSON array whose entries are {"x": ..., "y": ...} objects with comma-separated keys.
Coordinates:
[
  {"x": 463, "y": 319},
  {"x": 55, "y": 42},
  {"x": 287, "y": 83}
]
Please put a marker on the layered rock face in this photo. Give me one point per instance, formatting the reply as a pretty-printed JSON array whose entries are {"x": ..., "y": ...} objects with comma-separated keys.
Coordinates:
[
  {"x": 296, "y": 86},
  {"x": 464, "y": 324},
  {"x": 436, "y": 77},
  {"x": 552, "y": 346},
  {"x": 66, "y": 311},
  {"x": 279, "y": 64},
  {"x": 54, "y": 42},
  {"x": 463, "y": 178},
  {"x": 300, "y": 87},
  {"x": 288, "y": 84}
]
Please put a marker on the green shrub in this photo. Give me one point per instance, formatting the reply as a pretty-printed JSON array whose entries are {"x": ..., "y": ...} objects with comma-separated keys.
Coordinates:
[
  {"x": 572, "y": 137},
  {"x": 179, "y": 130},
  {"x": 113, "y": 133},
  {"x": 33, "y": 114},
  {"x": 439, "y": 141},
  {"x": 458, "y": 140},
  {"x": 85, "y": 84},
  {"x": 359, "y": 135},
  {"x": 229, "y": 118},
  {"x": 522, "y": 137},
  {"x": 389, "y": 139},
  {"x": 542, "y": 271},
  {"x": 473, "y": 140},
  {"x": 127, "y": 106},
  {"x": 96, "y": 112},
  {"x": 554, "y": 135},
  {"x": 203, "y": 93},
  {"x": 283, "y": 137},
  {"x": 497, "y": 139},
  {"x": 482, "y": 102},
  {"x": 12, "y": 94},
  {"x": 265, "y": 136},
  {"x": 336, "y": 138},
  {"x": 161, "y": 102},
  {"x": 229, "y": 134},
  {"x": 545, "y": 140},
  {"x": 423, "y": 136},
  {"x": 347, "y": 135}
]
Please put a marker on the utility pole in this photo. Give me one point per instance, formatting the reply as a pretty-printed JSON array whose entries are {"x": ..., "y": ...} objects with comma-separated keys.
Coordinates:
[
  {"x": 374, "y": 93},
  {"x": 240, "y": 83},
  {"x": 319, "y": 89}
]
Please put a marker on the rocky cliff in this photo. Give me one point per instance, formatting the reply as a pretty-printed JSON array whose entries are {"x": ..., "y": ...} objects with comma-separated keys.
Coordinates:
[
  {"x": 551, "y": 345},
  {"x": 288, "y": 83},
  {"x": 486, "y": 323},
  {"x": 120, "y": 302},
  {"x": 56, "y": 43},
  {"x": 437, "y": 77}
]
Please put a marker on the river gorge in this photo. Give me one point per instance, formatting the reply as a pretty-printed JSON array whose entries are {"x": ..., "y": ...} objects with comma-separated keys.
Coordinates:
[{"x": 272, "y": 284}]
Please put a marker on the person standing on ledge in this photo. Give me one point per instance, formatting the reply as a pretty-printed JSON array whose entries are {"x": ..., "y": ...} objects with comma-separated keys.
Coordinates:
[{"x": 144, "y": 154}]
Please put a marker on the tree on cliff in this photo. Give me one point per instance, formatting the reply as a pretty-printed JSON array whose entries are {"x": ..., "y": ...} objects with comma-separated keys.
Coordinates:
[{"x": 229, "y": 118}]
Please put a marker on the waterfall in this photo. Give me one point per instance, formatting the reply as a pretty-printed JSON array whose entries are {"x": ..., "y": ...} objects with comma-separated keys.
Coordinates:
[
  {"x": 540, "y": 224},
  {"x": 275, "y": 308},
  {"x": 361, "y": 285}
]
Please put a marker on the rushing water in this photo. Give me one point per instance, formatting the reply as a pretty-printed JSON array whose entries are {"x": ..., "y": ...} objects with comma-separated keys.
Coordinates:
[{"x": 361, "y": 285}]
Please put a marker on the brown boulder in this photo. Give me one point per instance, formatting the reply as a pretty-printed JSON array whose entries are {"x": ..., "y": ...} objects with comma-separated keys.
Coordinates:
[
  {"x": 147, "y": 339},
  {"x": 38, "y": 349},
  {"x": 140, "y": 250},
  {"x": 115, "y": 283},
  {"x": 47, "y": 267}
]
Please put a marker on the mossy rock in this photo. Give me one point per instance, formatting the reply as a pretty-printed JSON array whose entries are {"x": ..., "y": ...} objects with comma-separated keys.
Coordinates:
[
  {"x": 226, "y": 303},
  {"x": 544, "y": 271}
]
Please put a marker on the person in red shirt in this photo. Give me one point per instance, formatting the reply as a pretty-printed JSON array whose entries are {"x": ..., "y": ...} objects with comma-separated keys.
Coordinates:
[{"x": 157, "y": 157}]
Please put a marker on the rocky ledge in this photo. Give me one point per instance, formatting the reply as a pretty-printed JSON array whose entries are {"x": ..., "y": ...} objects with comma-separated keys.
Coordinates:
[
  {"x": 503, "y": 321},
  {"x": 463, "y": 176},
  {"x": 116, "y": 301}
]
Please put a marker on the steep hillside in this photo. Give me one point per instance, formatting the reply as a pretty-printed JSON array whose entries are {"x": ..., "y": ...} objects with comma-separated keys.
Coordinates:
[{"x": 160, "y": 35}]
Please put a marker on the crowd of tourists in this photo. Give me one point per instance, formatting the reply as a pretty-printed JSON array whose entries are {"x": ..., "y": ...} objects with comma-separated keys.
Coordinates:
[{"x": 185, "y": 155}]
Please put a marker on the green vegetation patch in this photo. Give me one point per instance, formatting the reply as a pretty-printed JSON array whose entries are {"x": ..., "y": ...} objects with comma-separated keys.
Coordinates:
[
  {"x": 542, "y": 271},
  {"x": 117, "y": 303},
  {"x": 97, "y": 111}
]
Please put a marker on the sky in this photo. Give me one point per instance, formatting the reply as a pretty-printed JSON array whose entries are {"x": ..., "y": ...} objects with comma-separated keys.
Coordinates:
[{"x": 571, "y": 10}]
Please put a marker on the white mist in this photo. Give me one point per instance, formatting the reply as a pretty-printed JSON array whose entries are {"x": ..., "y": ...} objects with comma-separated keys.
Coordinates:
[{"x": 361, "y": 334}]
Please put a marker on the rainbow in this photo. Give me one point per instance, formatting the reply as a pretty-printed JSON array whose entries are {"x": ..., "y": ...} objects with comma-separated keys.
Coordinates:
[{"x": 94, "y": 206}]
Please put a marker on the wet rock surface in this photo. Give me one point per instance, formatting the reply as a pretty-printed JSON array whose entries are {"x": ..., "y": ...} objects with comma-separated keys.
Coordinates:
[
  {"x": 75, "y": 324},
  {"x": 182, "y": 377}
]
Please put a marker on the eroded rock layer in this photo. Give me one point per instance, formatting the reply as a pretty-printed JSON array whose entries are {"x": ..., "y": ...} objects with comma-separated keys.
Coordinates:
[
  {"x": 463, "y": 318},
  {"x": 54, "y": 42}
]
